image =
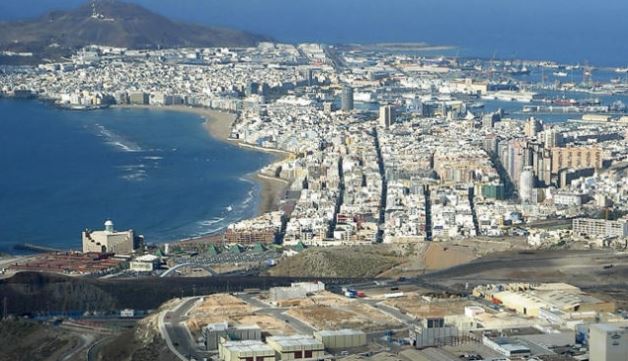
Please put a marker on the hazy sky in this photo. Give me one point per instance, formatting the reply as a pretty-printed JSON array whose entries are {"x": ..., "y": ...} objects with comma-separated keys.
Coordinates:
[{"x": 574, "y": 30}]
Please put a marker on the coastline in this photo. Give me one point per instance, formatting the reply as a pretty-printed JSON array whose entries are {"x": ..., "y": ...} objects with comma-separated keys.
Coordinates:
[{"x": 218, "y": 125}]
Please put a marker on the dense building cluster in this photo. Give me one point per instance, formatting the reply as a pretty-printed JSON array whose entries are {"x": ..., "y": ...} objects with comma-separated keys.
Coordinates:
[{"x": 383, "y": 147}]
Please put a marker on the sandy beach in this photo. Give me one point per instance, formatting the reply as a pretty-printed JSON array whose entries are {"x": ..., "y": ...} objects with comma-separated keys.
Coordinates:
[{"x": 218, "y": 124}]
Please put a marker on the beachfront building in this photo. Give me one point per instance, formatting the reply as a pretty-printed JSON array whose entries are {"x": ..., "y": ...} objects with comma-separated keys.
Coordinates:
[{"x": 109, "y": 241}]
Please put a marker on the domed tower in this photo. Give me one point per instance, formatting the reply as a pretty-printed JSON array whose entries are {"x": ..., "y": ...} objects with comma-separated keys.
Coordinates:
[{"x": 109, "y": 226}]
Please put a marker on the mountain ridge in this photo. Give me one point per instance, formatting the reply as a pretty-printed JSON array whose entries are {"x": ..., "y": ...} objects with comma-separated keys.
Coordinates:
[{"x": 112, "y": 23}]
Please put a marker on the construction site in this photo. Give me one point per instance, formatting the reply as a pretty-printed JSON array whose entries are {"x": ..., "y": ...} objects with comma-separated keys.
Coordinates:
[
  {"x": 328, "y": 311},
  {"x": 227, "y": 308},
  {"x": 420, "y": 307}
]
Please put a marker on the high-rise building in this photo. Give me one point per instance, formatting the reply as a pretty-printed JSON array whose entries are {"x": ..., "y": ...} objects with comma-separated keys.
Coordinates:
[
  {"x": 552, "y": 138},
  {"x": 489, "y": 120},
  {"x": 576, "y": 158},
  {"x": 541, "y": 162},
  {"x": 514, "y": 158},
  {"x": 608, "y": 342},
  {"x": 347, "y": 99},
  {"x": 328, "y": 107},
  {"x": 386, "y": 115},
  {"x": 490, "y": 143},
  {"x": 309, "y": 77},
  {"x": 532, "y": 127},
  {"x": 526, "y": 185}
]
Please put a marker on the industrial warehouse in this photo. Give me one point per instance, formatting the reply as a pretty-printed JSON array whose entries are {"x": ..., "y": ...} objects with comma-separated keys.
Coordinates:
[{"x": 307, "y": 321}]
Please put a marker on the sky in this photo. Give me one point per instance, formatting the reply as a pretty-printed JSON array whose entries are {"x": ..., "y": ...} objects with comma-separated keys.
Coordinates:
[{"x": 564, "y": 30}]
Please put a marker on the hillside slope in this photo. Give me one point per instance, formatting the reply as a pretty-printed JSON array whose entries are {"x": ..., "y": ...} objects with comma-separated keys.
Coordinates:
[{"x": 112, "y": 23}]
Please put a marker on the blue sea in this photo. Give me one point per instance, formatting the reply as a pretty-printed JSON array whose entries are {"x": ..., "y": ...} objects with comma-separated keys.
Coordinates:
[{"x": 157, "y": 172}]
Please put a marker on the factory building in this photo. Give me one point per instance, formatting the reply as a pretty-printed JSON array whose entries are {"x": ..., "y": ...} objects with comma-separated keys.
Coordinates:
[
  {"x": 109, "y": 241},
  {"x": 531, "y": 300},
  {"x": 298, "y": 290},
  {"x": 296, "y": 347},
  {"x": 432, "y": 332},
  {"x": 608, "y": 342},
  {"x": 251, "y": 350},
  {"x": 213, "y": 333},
  {"x": 505, "y": 346},
  {"x": 341, "y": 339}
]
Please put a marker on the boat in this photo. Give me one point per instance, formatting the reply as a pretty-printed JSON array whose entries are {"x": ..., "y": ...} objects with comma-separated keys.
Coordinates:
[
  {"x": 477, "y": 105},
  {"x": 621, "y": 70},
  {"x": 519, "y": 71},
  {"x": 560, "y": 74}
]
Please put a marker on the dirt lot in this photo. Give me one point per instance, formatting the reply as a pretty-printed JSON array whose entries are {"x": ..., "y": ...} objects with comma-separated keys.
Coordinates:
[
  {"x": 222, "y": 307},
  {"x": 329, "y": 311},
  {"x": 415, "y": 305}
]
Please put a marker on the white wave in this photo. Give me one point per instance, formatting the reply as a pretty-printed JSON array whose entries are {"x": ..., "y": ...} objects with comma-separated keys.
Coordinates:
[
  {"x": 211, "y": 222},
  {"x": 135, "y": 177},
  {"x": 246, "y": 180},
  {"x": 136, "y": 172},
  {"x": 117, "y": 140},
  {"x": 153, "y": 158},
  {"x": 250, "y": 196}
]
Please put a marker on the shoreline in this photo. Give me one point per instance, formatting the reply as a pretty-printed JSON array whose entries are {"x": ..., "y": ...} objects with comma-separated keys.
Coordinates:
[{"x": 218, "y": 124}]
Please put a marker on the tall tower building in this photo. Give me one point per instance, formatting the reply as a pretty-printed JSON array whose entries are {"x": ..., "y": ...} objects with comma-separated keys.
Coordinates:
[
  {"x": 526, "y": 185},
  {"x": 532, "y": 127},
  {"x": 552, "y": 138},
  {"x": 347, "y": 99},
  {"x": 386, "y": 115}
]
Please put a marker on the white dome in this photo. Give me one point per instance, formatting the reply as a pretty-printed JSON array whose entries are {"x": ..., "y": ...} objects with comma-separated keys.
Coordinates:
[{"x": 108, "y": 223}]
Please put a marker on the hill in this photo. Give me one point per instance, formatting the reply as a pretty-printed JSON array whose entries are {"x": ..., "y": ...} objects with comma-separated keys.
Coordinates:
[
  {"x": 349, "y": 262},
  {"x": 111, "y": 23}
]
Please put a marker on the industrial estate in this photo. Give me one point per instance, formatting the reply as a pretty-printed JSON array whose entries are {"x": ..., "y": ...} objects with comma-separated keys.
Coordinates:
[{"x": 422, "y": 208}]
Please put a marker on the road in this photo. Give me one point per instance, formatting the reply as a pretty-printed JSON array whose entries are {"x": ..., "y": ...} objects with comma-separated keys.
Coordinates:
[
  {"x": 502, "y": 266},
  {"x": 178, "y": 337},
  {"x": 85, "y": 341},
  {"x": 278, "y": 313}
]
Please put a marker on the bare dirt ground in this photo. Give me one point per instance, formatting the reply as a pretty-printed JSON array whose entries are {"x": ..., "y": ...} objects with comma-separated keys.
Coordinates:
[
  {"x": 222, "y": 307},
  {"x": 418, "y": 307},
  {"x": 327, "y": 311}
]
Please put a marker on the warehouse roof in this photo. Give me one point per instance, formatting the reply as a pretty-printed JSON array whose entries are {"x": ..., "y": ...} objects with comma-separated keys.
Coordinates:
[
  {"x": 344, "y": 332},
  {"x": 295, "y": 341}
]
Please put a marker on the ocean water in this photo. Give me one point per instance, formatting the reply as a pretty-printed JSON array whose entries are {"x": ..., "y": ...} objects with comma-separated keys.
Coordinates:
[
  {"x": 571, "y": 31},
  {"x": 157, "y": 172}
]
